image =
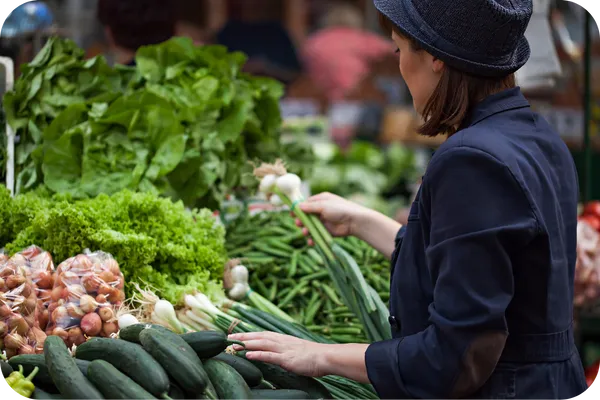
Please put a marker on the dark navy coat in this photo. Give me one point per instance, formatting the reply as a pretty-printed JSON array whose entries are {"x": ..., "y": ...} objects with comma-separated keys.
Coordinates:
[{"x": 482, "y": 280}]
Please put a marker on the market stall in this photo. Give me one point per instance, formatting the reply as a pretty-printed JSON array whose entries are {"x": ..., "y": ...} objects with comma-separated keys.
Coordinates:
[{"x": 140, "y": 224}]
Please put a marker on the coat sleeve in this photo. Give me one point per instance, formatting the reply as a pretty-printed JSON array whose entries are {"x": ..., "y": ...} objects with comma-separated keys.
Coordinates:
[{"x": 478, "y": 215}]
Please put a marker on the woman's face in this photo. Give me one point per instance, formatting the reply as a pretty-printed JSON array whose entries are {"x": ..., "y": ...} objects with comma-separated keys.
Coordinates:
[{"x": 420, "y": 70}]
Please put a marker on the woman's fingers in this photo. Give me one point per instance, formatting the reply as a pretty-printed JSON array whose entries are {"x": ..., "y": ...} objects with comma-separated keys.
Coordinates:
[
  {"x": 321, "y": 197},
  {"x": 313, "y": 207},
  {"x": 243, "y": 337},
  {"x": 263, "y": 345},
  {"x": 266, "y": 356}
]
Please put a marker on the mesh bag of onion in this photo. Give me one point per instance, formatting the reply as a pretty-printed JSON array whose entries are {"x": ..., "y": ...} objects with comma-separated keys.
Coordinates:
[
  {"x": 20, "y": 331},
  {"x": 88, "y": 289},
  {"x": 39, "y": 269}
]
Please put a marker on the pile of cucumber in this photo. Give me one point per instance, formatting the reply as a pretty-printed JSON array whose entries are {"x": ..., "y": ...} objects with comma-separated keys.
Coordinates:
[{"x": 152, "y": 362}]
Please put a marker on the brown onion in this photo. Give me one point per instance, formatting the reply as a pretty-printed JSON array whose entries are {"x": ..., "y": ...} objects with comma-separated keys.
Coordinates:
[{"x": 91, "y": 324}]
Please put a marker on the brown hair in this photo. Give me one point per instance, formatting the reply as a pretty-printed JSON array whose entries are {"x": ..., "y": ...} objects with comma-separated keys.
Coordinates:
[{"x": 455, "y": 94}]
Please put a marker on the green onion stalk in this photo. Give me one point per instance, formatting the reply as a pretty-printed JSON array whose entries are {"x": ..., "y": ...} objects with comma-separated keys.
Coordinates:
[{"x": 345, "y": 273}]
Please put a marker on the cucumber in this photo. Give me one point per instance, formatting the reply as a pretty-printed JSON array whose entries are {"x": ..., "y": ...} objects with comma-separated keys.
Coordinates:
[
  {"x": 132, "y": 332},
  {"x": 175, "y": 392},
  {"x": 114, "y": 384},
  {"x": 6, "y": 369},
  {"x": 209, "y": 393},
  {"x": 264, "y": 385},
  {"x": 39, "y": 394},
  {"x": 281, "y": 394},
  {"x": 245, "y": 368},
  {"x": 188, "y": 374},
  {"x": 228, "y": 382},
  {"x": 288, "y": 380},
  {"x": 65, "y": 373},
  {"x": 129, "y": 358},
  {"x": 208, "y": 344},
  {"x": 29, "y": 362},
  {"x": 83, "y": 366}
]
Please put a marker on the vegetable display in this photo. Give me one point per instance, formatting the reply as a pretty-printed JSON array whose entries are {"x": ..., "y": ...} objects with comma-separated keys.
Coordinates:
[
  {"x": 286, "y": 271},
  {"x": 356, "y": 294},
  {"x": 155, "y": 241},
  {"x": 165, "y": 369},
  {"x": 183, "y": 123}
]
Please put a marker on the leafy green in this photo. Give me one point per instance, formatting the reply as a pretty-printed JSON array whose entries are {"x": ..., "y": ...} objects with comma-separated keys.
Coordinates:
[
  {"x": 365, "y": 173},
  {"x": 155, "y": 241},
  {"x": 184, "y": 123}
]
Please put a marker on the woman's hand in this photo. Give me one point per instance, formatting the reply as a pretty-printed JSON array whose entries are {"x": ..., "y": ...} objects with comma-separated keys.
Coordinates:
[
  {"x": 306, "y": 358},
  {"x": 292, "y": 354},
  {"x": 340, "y": 216}
]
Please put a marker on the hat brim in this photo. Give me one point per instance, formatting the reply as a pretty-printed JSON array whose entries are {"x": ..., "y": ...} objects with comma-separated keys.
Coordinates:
[{"x": 395, "y": 11}]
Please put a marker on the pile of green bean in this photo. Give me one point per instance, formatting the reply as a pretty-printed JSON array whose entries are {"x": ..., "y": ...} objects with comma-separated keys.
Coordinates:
[{"x": 285, "y": 270}]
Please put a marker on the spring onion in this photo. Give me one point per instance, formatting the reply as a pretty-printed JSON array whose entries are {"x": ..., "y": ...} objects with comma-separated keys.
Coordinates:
[
  {"x": 345, "y": 274},
  {"x": 235, "y": 279}
]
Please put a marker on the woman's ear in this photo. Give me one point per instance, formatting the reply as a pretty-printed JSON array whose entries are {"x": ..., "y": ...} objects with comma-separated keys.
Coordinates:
[{"x": 437, "y": 65}]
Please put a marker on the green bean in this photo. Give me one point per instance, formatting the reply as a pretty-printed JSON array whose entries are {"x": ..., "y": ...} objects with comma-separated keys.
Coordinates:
[
  {"x": 278, "y": 244},
  {"x": 269, "y": 250},
  {"x": 315, "y": 275},
  {"x": 292, "y": 293},
  {"x": 315, "y": 256},
  {"x": 331, "y": 294},
  {"x": 283, "y": 292},
  {"x": 341, "y": 309},
  {"x": 304, "y": 265},
  {"x": 262, "y": 289},
  {"x": 273, "y": 291},
  {"x": 293, "y": 265},
  {"x": 312, "y": 311}
]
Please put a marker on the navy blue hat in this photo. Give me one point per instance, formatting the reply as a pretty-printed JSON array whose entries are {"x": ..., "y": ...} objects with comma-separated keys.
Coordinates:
[{"x": 479, "y": 37}]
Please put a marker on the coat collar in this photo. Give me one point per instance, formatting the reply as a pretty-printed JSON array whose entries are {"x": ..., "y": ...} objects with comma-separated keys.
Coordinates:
[{"x": 506, "y": 100}]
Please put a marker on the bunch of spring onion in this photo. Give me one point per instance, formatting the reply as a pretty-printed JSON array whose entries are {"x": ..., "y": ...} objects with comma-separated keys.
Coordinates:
[
  {"x": 201, "y": 313},
  {"x": 343, "y": 270},
  {"x": 235, "y": 281}
]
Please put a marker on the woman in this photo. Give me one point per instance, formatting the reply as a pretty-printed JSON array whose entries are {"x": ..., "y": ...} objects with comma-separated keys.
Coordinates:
[{"x": 482, "y": 274}]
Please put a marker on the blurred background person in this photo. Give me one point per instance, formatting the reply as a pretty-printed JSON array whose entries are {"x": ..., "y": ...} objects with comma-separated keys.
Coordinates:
[
  {"x": 339, "y": 55},
  {"x": 255, "y": 29},
  {"x": 131, "y": 24}
]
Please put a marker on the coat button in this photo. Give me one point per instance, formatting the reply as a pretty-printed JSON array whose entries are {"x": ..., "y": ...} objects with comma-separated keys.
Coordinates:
[{"x": 393, "y": 322}]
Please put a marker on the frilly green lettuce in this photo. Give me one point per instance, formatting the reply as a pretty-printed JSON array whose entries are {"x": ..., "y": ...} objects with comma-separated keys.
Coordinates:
[{"x": 155, "y": 241}]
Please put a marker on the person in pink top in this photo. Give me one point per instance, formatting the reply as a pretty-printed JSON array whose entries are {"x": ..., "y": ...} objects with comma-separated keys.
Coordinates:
[{"x": 339, "y": 55}]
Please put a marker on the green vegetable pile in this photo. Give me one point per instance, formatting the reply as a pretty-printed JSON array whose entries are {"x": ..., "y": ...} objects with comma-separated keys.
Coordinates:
[
  {"x": 286, "y": 271},
  {"x": 154, "y": 240},
  {"x": 183, "y": 123}
]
